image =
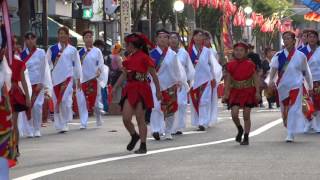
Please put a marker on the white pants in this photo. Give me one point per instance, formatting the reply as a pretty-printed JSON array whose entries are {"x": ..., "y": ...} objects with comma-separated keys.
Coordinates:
[
  {"x": 204, "y": 116},
  {"x": 83, "y": 110},
  {"x": 180, "y": 122},
  {"x": 4, "y": 169},
  {"x": 36, "y": 114},
  {"x": 156, "y": 118},
  {"x": 315, "y": 123},
  {"x": 169, "y": 122},
  {"x": 296, "y": 119},
  {"x": 64, "y": 116}
]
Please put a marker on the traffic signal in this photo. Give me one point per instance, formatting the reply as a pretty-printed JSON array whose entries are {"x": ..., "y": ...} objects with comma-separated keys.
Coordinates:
[{"x": 87, "y": 13}]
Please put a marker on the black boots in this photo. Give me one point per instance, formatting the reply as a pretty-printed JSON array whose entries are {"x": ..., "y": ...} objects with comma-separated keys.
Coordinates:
[
  {"x": 142, "y": 149},
  {"x": 134, "y": 139},
  {"x": 240, "y": 133},
  {"x": 245, "y": 139}
]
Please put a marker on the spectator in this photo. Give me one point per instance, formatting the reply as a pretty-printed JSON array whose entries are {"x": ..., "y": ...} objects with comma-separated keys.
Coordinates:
[
  {"x": 255, "y": 58},
  {"x": 265, "y": 66}
]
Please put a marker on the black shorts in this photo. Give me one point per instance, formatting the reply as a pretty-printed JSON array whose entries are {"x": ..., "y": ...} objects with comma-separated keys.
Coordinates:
[
  {"x": 246, "y": 105},
  {"x": 19, "y": 107}
]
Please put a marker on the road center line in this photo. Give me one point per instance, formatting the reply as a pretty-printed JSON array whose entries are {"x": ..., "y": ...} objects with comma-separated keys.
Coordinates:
[{"x": 69, "y": 167}]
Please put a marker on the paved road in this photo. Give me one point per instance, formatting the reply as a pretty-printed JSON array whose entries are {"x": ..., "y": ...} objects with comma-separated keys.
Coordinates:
[{"x": 99, "y": 154}]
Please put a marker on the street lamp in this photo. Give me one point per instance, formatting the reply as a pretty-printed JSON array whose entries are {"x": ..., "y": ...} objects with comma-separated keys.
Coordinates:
[
  {"x": 249, "y": 22},
  {"x": 178, "y": 7},
  {"x": 248, "y": 10}
]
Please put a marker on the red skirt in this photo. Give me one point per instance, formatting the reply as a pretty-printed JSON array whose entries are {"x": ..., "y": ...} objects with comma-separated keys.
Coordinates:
[
  {"x": 136, "y": 91},
  {"x": 17, "y": 98},
  {"x": 243, "y": 97}
]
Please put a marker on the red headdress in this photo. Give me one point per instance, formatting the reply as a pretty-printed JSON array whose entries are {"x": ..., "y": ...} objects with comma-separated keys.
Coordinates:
[
  {"x": 241, "y": 44},
  {"x": 135, "y": 37}
]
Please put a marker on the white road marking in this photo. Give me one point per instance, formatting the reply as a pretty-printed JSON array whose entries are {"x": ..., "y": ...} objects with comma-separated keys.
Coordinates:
[
  {"x": 268, "y": 110},
  {"x": 78, "y": 124},
  {"x": 185, "y": 133},
  {"x": 69, "y": 167}
]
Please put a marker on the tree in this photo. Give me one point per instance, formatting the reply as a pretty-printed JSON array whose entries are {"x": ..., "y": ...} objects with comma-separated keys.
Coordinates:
[
  {"x": 24, "y": 14},
  {"x": 138, "y": 11},
  {"x": 162, "y": 10}
]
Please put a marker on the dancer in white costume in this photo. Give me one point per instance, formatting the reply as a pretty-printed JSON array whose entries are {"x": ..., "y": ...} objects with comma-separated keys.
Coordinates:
[
  {"x": 292, "y": 68},
  {"x": 40, "y": 79},
  {"x": 218, "y": 76},
  {"x": 95, "y": 77},
  {"x": 66, "y": 74},
  {"x": 204, "y": 81},
  {"x": 312, "y": 51},
  {"x": 184, "y": 58},
  {"x": 171, "y": 75}
]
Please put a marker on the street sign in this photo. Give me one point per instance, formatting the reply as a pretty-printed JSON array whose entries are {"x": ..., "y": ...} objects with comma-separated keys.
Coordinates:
[
  {"x": 87, "y": 13},
  {"x": 125, "y": 19}
]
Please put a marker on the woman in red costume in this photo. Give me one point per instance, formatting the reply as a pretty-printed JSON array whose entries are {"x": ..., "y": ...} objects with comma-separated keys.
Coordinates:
[
  {"x": 241, "y": 89},
  {"x": 19, "y": 93},
  {"x": 137, "y": 95}
]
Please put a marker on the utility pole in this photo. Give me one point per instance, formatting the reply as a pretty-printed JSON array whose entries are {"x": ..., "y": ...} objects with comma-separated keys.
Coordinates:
[
  {"x": 44, "y": 24},
  {"x": 104, "y": 23},
  {"x": 222, "y": 58},
  {"x": 149, "y": 19}
]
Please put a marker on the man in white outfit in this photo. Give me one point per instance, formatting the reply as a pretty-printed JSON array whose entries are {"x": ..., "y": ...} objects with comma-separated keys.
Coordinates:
[
  {"x": 66, "y": 74},
  {"x": 40, "y": 79},
  {"x": 94, "y": 77},
  {"x": 292, "y": 68},
  {"x": 312, "y": 51},
  {"x": 218, "y": 76},
  {"x": 187, "y": 65},
  {"x": 204, "y": 82},
  {"x": 171, "y": 74}
]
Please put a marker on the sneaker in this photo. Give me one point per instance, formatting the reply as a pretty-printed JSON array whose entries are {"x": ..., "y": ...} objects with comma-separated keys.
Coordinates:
[
  {"x": 156, "y": 136},
  {"x": 64, "y": 130},
  {"x": 37, "y": 134},
  {"x": 99, "y": 123},
  {"x": 179, "y": 133},
  {"x": 290, "y": 138},
  {"x": 30, "y": 135},
  {"x": 168, "y": 137},
  {"x": 82, "y": 127},
  {"x": 308, "y": 128},
  {"x": 201, "y": 128}
]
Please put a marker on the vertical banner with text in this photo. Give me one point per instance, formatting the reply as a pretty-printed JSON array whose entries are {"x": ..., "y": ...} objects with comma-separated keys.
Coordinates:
[{"x": 125, "y": 18}]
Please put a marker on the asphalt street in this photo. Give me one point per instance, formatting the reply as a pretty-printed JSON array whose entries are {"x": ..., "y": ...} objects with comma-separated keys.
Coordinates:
[{"x": 100, "y": 154}]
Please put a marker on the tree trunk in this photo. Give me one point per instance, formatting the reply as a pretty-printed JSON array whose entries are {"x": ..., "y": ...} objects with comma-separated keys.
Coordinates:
[
  {"x": 24, "y": 14},
  {"x": 137, "y": 13}
]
